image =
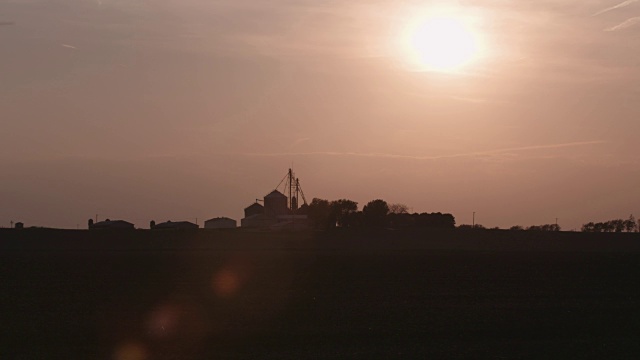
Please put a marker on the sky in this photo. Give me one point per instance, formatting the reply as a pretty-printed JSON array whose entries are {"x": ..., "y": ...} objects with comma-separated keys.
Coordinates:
[{"x": 191, "y": 109}]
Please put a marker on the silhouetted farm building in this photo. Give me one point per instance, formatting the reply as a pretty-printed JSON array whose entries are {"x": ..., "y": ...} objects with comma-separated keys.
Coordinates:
[
  {"x": 257, "y": 221},
  {"x": 253, "y": 209},
  {"x": 275, "y": 204},
  {"x": 111, "y": 224},
  {"x": 278, "y": 211},
  {"x": 183, "y": 225},
  {"x": 220, "y": 223},
  {"x": 19, "y": 225}
]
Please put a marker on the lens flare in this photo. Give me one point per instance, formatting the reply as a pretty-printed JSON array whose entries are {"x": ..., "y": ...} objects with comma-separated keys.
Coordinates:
[
  {"x": 226, "y": 283},
  {"x": 131, "y": 351}
]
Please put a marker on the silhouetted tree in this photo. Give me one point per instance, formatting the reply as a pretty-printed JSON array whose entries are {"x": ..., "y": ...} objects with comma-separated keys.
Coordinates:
[
  {"x": 319, "y": 213},
  {"x": 353, "y": 219},
  {"x": 617, "y": 225},
  {"x": 588, "y": 227},
  {"x": 516, "y": 227},
  {"x": 325, "y": 214},
  {"x": 341, "y": 211},
  {"x": 630, "y": 224},
  {"x": 398, "y": 209},
  {"x": 375, "y": 213},
  {"x": 400, "y": 220},
  {"x": 438, "y": 220},
  {"x": 476, "y": 226},
  {"x": 545, "y": 227}
]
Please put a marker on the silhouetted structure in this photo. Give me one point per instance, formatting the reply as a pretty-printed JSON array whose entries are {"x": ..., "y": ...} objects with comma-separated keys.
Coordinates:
[
  {"x": 275, "y": 204},
  {"x": 183, "y": 225},
  {"x": 258, "y": 221},
  {"x": 19, "y": 225},
  {"x": 253, "y": 209},
  {"x": 111, "y": 224},
  {"x": 220, "y": 223},
  {"x": 279, "y": 210}
]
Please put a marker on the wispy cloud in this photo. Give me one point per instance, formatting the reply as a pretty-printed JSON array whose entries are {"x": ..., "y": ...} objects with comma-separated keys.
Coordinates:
[
  {"x": 621, "y": 5},
  {"x": 436, "y": 157},
  {"x": 69, "y": 46},
  {"x": 626, "y": 24},
  {"x": 6, "y": 23}
]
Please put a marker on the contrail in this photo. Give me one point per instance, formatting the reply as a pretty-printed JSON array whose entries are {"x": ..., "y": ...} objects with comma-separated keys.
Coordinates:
[
  {"x": 412, "y": 157},
  {"x": 622, "y": 4},
  {"x": 624, "y": 25},
  {"x": 69, "y": 46}
]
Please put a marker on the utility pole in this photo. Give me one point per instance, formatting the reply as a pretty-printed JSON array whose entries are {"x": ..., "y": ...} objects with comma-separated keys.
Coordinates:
[{"x": 474, "y": 220}]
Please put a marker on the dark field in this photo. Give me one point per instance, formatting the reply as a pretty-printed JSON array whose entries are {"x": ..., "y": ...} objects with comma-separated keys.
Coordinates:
[{"x": 389, "y": 294}]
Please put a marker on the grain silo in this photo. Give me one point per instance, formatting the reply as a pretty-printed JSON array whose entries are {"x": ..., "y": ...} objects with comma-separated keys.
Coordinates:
[
  {"x": 253, "y": 209},
  {"x": 275, "y": 204}
]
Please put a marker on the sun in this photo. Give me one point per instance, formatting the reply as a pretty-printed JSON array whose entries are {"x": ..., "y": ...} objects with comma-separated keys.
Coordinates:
[{"x": 444, "y": 44}]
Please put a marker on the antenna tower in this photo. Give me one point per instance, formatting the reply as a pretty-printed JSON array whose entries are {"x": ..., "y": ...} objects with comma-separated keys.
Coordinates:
[{"x": 293, "y": 190}]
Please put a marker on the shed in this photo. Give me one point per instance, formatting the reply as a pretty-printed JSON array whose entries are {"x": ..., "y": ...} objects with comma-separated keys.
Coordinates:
[
  {"x": 220, "y": 223},
  {"x": 112, "y": 224},
  {"x": 176, "y": 225}
]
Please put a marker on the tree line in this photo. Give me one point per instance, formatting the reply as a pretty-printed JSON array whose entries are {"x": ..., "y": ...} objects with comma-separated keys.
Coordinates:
[
  {"x": 617, "y": 225},
  {"x": 325, "y": 214},
  {"x": 545, "y": 227}
]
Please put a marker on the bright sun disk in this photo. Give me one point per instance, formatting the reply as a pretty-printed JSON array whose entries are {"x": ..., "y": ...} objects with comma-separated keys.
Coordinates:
[{"x": 441, "y": 44}]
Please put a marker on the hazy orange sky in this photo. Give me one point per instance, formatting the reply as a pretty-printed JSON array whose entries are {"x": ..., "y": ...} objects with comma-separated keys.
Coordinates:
[{"x": 185, "y": 109}]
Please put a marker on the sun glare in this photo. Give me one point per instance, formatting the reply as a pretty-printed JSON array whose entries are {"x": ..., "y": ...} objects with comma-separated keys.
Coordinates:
[{"x": 442, "y": 43}]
